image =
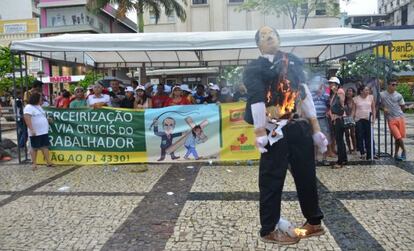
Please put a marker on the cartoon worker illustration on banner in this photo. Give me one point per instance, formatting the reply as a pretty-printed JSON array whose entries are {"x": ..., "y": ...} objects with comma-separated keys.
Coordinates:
[{"x": 184, "y": 133}]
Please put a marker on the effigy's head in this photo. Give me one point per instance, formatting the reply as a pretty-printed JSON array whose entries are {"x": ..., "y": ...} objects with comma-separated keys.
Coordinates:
[{"x": 268, "y": 40}]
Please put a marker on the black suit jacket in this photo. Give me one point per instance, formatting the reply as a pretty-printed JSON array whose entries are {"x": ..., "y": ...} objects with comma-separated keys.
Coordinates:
[{"x": 260, "y": 75}]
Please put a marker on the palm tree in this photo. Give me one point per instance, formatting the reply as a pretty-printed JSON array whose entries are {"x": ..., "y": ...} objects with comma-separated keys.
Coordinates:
[{"x": 154, "y": 6}]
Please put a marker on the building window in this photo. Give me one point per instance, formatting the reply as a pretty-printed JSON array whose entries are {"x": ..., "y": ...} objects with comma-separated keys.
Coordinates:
[
  {"x": 152, "y": 18},
  {"x": 171, "y": 18},
  {"x": 236, "y": 1},
  {"x": 320, "y": 9},
  {"x": 404, "y": 15},
  {"x": 199, "y": 2}
]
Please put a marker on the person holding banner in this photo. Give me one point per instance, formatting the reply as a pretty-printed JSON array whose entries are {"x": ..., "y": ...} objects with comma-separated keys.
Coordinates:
[
  {"x": 98, "y": 99},
  {"x": 276, "y": 99}
]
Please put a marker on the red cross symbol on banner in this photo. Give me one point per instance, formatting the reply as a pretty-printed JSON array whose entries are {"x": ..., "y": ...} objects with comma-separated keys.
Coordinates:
[{"x": 242, "y": 138}]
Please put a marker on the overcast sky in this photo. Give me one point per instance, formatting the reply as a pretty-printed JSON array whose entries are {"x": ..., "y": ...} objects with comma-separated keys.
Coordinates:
[{"x": 356, "y": 7}]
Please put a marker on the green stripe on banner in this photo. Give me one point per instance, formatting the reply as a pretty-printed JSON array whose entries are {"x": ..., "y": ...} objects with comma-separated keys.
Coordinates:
[
  {"x": 221, "y": 128},
  {"x": 105, "y": 130}
]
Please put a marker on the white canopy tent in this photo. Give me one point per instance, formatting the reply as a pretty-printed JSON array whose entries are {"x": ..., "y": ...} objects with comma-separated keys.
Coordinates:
[{"x": 195, "y": 49}]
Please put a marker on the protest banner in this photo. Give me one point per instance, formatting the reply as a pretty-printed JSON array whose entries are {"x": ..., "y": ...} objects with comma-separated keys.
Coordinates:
[{"x": 170, "y": 134}]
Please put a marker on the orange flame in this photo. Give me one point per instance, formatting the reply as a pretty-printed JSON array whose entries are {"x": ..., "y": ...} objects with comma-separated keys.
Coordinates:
[
  {"x": 288, "y": 95},
  {"x": 300, "y": 232},
  {"x": 289, "y": 98}
]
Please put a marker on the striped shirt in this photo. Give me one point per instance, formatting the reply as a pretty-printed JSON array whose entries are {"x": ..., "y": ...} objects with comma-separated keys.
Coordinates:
[{"x": 321, "y": 104}]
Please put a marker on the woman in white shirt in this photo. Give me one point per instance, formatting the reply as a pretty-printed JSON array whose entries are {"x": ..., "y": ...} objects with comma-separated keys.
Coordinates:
[{"x": 38, "y": 128}]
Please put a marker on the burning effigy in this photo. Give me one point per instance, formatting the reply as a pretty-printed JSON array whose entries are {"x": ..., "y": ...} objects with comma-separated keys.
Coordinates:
[{"x": 281, "y": 109}]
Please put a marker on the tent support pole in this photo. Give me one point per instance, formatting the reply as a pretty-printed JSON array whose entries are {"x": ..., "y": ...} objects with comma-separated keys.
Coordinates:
[
  {"x": 26, "y": 81},
  {"x": 17, "y": 116},
  {"x": 389, "y": 75},
  {"x": 378, "y": 114}
]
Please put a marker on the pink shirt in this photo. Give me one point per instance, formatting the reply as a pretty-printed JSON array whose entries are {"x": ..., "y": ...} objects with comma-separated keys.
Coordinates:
[{"x": 363, "y": 107}]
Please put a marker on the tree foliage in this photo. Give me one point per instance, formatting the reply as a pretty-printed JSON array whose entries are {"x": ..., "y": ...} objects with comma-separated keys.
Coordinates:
[
  {"x": 6, "y": 70},
  {"x": 294, "y": 9},
  {"x": 369, "y": 66},
  {"x": 231, "y": 74},
  {"x": 87, "y": 81},
  {"x": 140, "y": 6}
]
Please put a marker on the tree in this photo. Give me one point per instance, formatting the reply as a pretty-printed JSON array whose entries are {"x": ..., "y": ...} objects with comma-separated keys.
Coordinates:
[
  {"x": 6, "y": 69},
  {"x": 367, "y": 66},
  {"x": 154, "y": 6},
  {"x": 294, "y": 9}
]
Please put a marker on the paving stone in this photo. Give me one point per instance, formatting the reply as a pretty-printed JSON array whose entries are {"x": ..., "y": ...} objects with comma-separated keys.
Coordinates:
[
  {"x": 390, "y": 222},
  {"x": 2, "y": 197},
  {"x": 234, "y": 224},
  {"x": 358, "y": 178},
  {"x": 20, "y": 177},
  {"x": 233, "y": 179},
  {"x": 121, "y": 178},
  {"x": 62, "y": 222}
]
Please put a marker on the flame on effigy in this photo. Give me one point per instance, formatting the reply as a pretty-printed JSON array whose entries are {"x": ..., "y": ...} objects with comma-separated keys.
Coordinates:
[
  {"x": 288, "y": 95},
  {"x": 300, "y": 232}
]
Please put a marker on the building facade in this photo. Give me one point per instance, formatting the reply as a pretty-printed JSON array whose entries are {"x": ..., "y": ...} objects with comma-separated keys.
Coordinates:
[
  {"x": 398, "y": 12},
  {"x": 223, "y": 15},
  {"x": 72, "y": 16},
  {"x": 365, "y": 21},
  {"x": 19, "y": 20}
]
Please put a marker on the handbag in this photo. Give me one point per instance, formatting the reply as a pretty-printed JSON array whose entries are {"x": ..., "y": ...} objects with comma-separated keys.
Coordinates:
[
  {"x": 336, "y": 107},
  {"x": 349, "y": 122}
]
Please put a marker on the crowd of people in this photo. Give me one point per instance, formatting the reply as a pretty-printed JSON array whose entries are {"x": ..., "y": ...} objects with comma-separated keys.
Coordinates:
[
  {"x": 146, "y": 96},
  {"x": 347, "y": 118}
]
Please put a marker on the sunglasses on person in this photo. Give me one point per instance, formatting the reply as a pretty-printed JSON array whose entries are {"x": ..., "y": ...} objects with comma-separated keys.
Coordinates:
[{"x": 394, "y": 84}]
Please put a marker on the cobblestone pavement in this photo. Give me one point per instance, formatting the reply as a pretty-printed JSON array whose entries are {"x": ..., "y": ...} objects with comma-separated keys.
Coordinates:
[{"x": 367, "y": 206}]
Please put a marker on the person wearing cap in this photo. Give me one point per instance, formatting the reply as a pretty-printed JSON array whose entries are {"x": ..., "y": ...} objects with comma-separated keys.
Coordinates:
[
  {"x": 176, "y": 97},
  {"x": 79, "y": 101},
  {"x": 142, "y": 101},
  {"x": 160, "y": 97},
  {"x": 284, "y": 135},
  {"x": 337, "y": 111},
  {"x": 129, "y": 100},
  {"x": 187, "y": 93},
  {"x": 98, "y": 99},
  {"x": 321, "y": 101},
  {"x": 214, "y": 94}
]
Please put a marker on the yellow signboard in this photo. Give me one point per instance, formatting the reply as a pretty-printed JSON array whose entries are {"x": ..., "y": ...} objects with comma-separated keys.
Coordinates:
[
  {"x": 402, "y": 50},
  {"x": 19, "y": 26}
]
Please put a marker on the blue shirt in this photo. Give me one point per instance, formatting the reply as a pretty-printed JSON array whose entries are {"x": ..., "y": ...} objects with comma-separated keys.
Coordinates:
[
  {"x": 199, "y": 99},
  {"x": 191, "y": 141},
  {"x": 321, "y": 104}
]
